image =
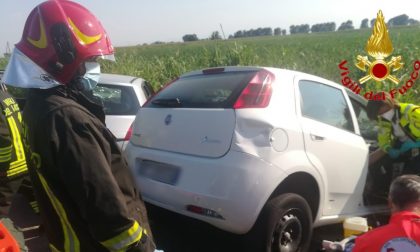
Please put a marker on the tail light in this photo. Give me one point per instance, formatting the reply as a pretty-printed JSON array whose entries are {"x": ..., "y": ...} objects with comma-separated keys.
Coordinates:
[
  {"x": 129, "y": 133},
  {"x": 257, "y": 93}
]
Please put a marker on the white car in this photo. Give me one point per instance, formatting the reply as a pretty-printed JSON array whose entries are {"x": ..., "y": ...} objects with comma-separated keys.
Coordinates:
[
  {"x": 122, "y": 96},
  {"x": 263, "y": 151}
]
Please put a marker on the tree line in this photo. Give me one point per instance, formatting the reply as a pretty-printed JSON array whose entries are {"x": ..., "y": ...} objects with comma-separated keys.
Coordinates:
[{"x": 401, "y": 20}]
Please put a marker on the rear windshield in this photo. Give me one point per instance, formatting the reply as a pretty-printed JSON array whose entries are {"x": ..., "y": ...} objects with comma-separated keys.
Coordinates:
[
  {"x": 117, "y": 100},
  {"x": 203, "y": 91}
]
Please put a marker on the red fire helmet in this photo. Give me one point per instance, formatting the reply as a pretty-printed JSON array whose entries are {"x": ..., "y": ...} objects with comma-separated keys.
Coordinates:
[{"x": 59, "y": 35}]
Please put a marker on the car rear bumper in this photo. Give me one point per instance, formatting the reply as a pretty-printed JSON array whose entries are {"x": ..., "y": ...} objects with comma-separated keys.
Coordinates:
[{"x": 235, "y": 186}]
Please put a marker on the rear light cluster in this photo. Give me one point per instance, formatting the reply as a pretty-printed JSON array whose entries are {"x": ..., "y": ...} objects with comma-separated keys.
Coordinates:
[
  {"x": 257, "y": 93},
  {"x": 129, "y": 133}
]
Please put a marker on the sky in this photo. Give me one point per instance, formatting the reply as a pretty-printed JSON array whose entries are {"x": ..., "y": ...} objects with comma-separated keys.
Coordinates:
[{"x": 133, "y": 22}]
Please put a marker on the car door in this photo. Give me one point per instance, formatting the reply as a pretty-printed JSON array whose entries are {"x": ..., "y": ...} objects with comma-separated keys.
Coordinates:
[{"x": 333, "y": 144}]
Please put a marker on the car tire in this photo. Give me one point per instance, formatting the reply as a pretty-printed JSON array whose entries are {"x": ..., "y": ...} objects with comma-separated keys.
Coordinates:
[{"x": 284, "y": 225}]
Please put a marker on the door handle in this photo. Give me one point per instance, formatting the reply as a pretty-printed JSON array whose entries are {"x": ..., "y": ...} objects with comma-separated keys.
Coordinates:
[{"x": 317, "y": 138}]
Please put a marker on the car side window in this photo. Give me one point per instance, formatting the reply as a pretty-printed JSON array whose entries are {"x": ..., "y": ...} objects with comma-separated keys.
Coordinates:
[
  {"x": 117, "y": 100},
  {"x": 368, "y": 128},
  {"x": 325, "y": 104}
]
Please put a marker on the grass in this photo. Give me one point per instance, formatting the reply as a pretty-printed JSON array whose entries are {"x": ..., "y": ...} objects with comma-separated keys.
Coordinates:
[{"x": 317, "y": 54}]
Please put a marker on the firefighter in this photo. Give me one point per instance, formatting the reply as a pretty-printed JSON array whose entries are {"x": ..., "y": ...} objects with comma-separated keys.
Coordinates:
[
  {"x": 13, "y": 164},
  {"x": 399, "y": 132},
  {"x": 87, "y": 195}
]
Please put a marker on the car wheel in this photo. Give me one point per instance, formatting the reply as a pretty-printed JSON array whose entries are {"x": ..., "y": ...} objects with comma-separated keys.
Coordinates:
[{"x": 284, "y": 225}]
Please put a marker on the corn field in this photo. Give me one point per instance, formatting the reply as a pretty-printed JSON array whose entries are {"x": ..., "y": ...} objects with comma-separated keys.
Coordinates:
[{"x": 318, "y": 54}]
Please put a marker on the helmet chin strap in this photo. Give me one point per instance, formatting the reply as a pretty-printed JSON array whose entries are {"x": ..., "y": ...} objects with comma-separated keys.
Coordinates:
[{"x": 76, "y": 83}]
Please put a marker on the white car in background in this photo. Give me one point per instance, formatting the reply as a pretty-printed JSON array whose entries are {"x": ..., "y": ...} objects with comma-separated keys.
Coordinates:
[
  {"x": 263, "y": 151},
  {"x": 122, "y": 96}
]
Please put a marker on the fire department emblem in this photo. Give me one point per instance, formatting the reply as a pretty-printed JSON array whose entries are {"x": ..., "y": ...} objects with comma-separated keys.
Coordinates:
[{"x": 379, "y": 46}]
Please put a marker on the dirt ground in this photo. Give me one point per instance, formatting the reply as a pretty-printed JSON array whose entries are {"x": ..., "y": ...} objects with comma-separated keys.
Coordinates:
[
  {"x": 172, "y": 232},
  {"x": 175, "y": 233}
]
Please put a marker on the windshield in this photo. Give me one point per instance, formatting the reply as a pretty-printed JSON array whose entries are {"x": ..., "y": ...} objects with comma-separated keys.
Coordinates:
[{"x": 203, "y": 91}]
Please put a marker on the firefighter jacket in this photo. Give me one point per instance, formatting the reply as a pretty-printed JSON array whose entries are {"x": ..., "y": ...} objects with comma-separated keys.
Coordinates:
[
  {"x": 13, "y": 162},
  {"x": 86, "y": 193},
  {"x": 408, "y": 116},
  {"x": 401, "y": 234},
  {"x": 12, "y": 155}
]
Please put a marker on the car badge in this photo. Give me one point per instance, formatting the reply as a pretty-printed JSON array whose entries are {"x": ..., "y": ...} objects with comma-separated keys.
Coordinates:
[{"x": 168, "y": 119}]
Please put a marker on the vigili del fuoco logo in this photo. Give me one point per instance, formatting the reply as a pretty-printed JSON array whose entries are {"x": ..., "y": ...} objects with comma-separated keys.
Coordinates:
[{"x": 379, "y": 67}]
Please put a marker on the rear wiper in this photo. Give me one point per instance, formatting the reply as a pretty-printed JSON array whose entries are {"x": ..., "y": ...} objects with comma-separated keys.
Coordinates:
[{"x": 173, "y": 102}]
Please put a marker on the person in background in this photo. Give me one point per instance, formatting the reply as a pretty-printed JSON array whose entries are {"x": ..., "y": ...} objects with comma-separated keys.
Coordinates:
[
  {"x": 87, "y": 195},
  {"x": 13, "y": 163},
  {"x": 399, "y": 132},
  {"x": 403, "y": 231}
]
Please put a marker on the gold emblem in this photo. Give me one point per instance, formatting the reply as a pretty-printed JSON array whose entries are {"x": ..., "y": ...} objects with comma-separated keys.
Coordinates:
[{"x": 379, "y": 46}]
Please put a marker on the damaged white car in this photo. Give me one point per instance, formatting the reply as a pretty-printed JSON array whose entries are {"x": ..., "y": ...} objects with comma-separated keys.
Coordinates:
[{"x": 263, "y": 151}]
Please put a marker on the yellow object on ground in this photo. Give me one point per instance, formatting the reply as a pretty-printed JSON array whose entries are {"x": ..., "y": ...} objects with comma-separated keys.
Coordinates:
[{"x": 355, "y": 226}]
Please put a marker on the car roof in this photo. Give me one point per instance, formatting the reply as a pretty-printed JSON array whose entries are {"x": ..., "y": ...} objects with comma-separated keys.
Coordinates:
[
  {"x": 224, "y": 69},
  {"x": 246, "y": 68},
  {"x": 118, "y": 79}
]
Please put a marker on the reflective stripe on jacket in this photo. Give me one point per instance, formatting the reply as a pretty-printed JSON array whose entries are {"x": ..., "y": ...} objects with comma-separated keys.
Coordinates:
[
  {"x": 12, "y": 154},
  {"x": 409, "y": 120}
]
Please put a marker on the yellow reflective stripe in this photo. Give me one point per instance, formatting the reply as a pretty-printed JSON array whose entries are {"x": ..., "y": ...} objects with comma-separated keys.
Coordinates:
[
  {"x": 19, "y": 116},
  {"x": 17, "y": 171},
  {"x": 6, "y": 154},
  {"x": 53, "y": 249},
  {"x": 17, "y": 141},
  {"x": 4, "y": 159},
  {"x": 17, "y": 163},
  {"x": 124, "y": 239},
  {"x": 17, "y": 166},
  {"x": 34, "y": 205},
  {"x": 71, "y": 242},
  {"x": 6, "y": 149},
  {"x": 83, "y": 38}
]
